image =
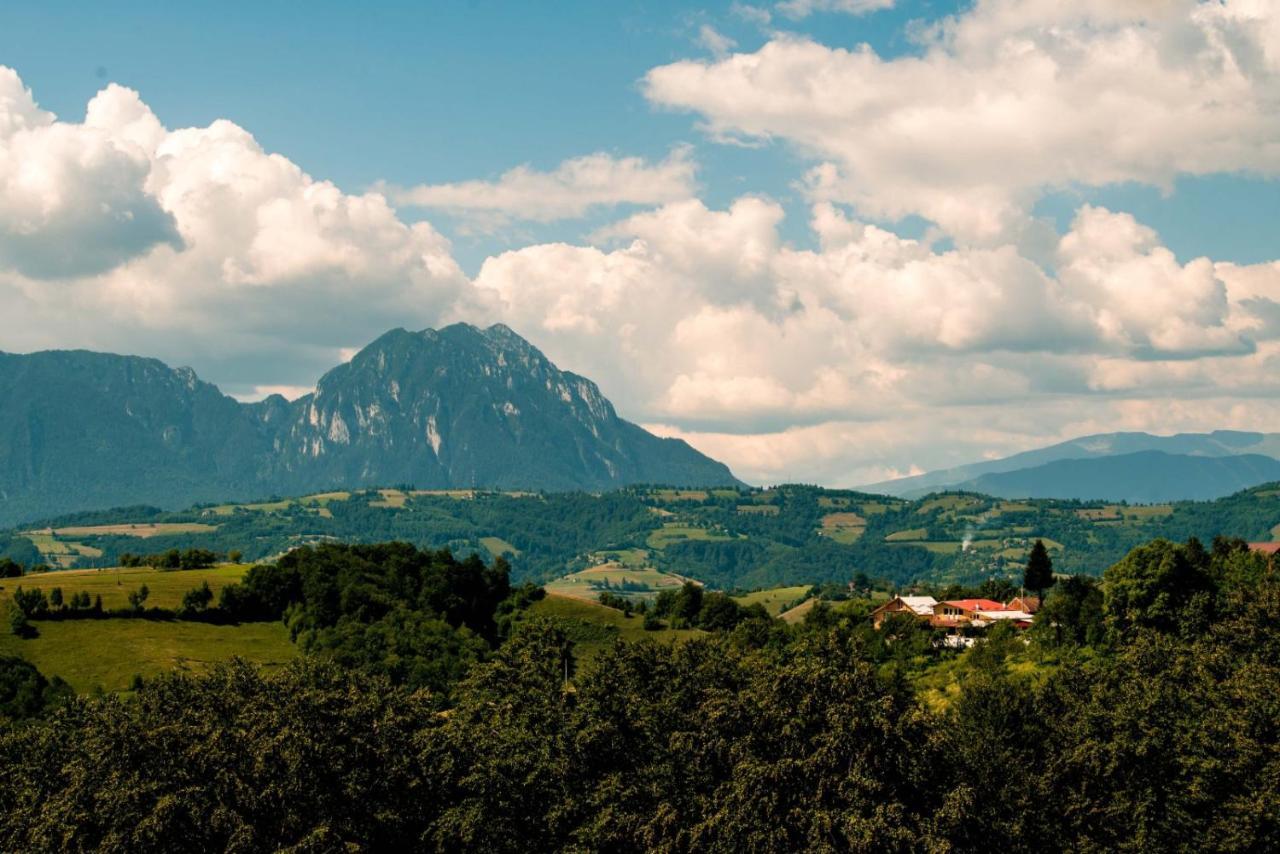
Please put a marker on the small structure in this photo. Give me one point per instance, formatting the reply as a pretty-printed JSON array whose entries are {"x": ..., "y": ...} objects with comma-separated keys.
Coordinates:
[
  {"x": 918, "y": 606},
  {"x": 1030, "y": 604}
]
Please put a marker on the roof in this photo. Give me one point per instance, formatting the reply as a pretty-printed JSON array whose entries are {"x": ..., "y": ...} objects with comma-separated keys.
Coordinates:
[
  {"x": 920, "y": 604},
  {"x": 1006, "y": 615},
  {"x": 1265, "y": 548},
  {"x": 976, "y": 605},
  {"x": 1031, "y": 604}
]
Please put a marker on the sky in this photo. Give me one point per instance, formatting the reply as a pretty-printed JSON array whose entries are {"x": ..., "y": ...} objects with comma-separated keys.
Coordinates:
[{"x": 829, "y": 241}]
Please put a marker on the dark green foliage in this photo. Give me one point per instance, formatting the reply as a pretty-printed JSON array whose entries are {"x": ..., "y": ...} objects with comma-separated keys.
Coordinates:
[
  {"x": 25, "y": 693},
  {"x": 1071, "y": 614},
  {"x": 1038, "y": 575},
  {"x": 763, "y": 738},
  {"x": 196, "y": 600},
  {"x": 313, "y": 756},
  {"x": 1161, "y": 586},
  {"x": 420, "y": 618},
  {"x": 10, "y": 568}
]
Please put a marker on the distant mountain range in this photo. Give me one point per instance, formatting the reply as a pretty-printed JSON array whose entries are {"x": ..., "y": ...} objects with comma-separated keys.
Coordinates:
[
  {"x": 455, "y": 407},
  {"x": 1134, "y": 467}
]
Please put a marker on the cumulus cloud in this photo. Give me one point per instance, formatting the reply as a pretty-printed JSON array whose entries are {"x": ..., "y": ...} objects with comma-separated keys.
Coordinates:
[
  {"x": 569, "y": 191},
  {"x": 196, "y": 244},
  {"x": 1005, "y": 101},
  {"x": 706, "y": 322},
  {"x": 73, "y": 197}
]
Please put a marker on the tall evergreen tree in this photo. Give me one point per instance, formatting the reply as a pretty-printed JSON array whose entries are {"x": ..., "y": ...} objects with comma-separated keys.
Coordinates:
[{"x": 1039, "y": 572}]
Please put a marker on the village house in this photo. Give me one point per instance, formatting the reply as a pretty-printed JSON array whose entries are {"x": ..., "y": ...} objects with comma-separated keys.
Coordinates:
[
  {"x": 960, "y": 613},
  {"x": 918, "y": 606}
]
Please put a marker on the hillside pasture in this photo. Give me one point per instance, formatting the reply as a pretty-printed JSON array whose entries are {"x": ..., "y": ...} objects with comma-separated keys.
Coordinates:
[
  {"x": 845, "y": 528},
  {"x": 106, "y": 654},
  {"x": 59, "y": 552},
  {"x": 775, "y": 600},
  {"x": 496, "y": 546},
  {"x": 672, "y": 532},
  {"x": 141, "y": 530},
  {"x": 592, "y": 627},
  {"x": 166, "y": 587},
  {"x": 628, "y": 582}
]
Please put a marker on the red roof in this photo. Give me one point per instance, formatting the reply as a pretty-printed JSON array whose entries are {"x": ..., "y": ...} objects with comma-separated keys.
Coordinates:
[
  {"x": 1265, "y": 548},
  {"x": 976, "y": 605}
]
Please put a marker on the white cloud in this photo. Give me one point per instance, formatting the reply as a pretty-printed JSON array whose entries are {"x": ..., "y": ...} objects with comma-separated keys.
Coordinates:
[
  {"x": 805, "y": 8},
  {"x": 708, "y": 323},
  {"x": 570, "y": 191},
  {"x": 1009, "y": 99},
  {"x": 73, "y": 197},
  {"x": 197, "y": 245}
]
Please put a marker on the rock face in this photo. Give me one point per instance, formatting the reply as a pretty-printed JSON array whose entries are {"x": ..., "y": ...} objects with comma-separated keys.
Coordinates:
[{"x": 457, "y": 407}]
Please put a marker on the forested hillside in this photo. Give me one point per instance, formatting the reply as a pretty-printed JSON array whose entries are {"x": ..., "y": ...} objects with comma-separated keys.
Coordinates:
[
  {"x": 1140, "y": 717},
  {"x": 730, "y": 538}
]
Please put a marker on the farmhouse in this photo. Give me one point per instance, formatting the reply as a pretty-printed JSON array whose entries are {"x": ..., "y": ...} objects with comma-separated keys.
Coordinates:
[
  {"x": 919, "y": 606},
  {"x": 960, "y": 613}
]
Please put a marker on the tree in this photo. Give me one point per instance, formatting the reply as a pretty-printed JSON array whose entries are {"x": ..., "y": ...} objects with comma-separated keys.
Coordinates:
[
  {"x": 197, "y": 599},
  {"x": 1159, "y": 586},
  {"x": 10, "y": 568},
  {"x": 1039, "y": 572},
  {"x": 55, "y": 597},
  {"x": 235, "y": 556},
  {"x": 138, "y": 597}
]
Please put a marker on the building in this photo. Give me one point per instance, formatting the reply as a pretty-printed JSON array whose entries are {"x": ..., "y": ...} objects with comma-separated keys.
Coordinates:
[
  {"x": 918, "y": 606},
  {"x": 1030, "y": 604}
]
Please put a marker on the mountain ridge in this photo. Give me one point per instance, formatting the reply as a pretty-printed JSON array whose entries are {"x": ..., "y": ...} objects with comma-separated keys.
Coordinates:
[
  {"x": 1218, "y": 443},
  {"x": 455, "y": 407}
]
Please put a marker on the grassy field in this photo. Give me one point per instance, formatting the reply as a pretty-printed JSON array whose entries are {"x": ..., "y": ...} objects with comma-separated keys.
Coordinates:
[
  {"x": 845, "y": 528},
  {"x": 62, "y": 553},
  {"x": 673, "y": 532},
  {"x": 142, "y": 530},
  {"x": 774, "y": 600},
  {"x": 113, "y": 585},
  {"x": 497, "y": 546},
  {"x": 587, "y": 584},
  {"x": 593, "y": 627},
  {"x": 908, "y": 535},
  {"x": 107, "y": 653}
]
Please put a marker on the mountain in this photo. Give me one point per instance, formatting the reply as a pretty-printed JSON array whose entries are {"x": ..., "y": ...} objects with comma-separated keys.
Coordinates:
[
  {"x": 1146, "y": 477},
  {"x": 1220, "y": 443},
  {"x": 448, "y": 408}
]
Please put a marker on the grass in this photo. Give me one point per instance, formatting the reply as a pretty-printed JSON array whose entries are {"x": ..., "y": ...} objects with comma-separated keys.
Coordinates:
[
  {"x": 593, "y": 627},
  {"x": 143, "y": 530},
  {"x": 61, "y": 552},
  {"x": 391, "y": 498},
  {"x": 774, "y": 600},
  {"x": 873, "y": 508},
  {"x": 681, "y": 494},
  {"x": 833, "y": 501},
  {"x": 909, "y": 535},
  {"x": 948, "y": 502},
  {"x": 497, "y": 546},
  {"x": 630, "y": 558},
  {"x": 587, "y": 585},
  {"x": 759, "y": 509},
  {"x": 113, "y": 585},
  {"x": 106, "y": 654},
  {"x": 845, "y": 528},
  {"x": 672, "y": 532}
]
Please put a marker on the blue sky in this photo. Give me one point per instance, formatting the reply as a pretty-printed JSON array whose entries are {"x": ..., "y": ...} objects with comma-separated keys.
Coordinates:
[{"x": 1093, "y": 244}]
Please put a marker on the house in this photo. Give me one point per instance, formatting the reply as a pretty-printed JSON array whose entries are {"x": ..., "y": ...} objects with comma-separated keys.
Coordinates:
[
  {"x": 1268, "y": 549},
  {"x": 980, "y": 613},
  {"x": 1030, "y": 604},
  {"x": 918, "y": 606}
]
